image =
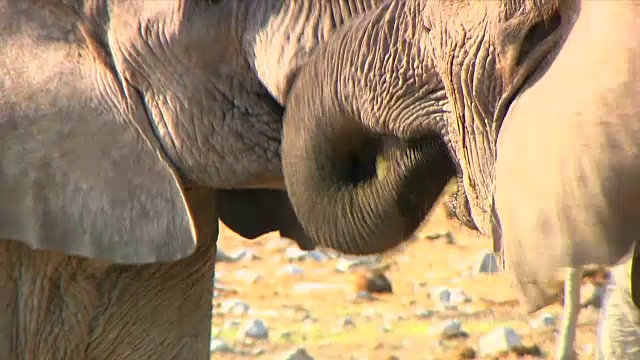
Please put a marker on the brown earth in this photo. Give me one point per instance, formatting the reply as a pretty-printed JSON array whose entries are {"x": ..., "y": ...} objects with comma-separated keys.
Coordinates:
[{"x": 386, "y": 327}]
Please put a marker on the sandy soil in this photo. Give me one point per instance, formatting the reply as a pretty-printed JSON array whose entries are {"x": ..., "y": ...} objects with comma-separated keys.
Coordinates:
[{"x": 387, "y": 327}]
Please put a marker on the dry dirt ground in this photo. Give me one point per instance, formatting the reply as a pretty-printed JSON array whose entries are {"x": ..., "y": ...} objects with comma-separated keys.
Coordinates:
[{"x": 306, "y": 308}]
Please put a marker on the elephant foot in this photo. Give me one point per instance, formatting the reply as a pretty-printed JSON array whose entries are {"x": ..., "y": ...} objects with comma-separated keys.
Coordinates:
[{"x": 619, "y": 325}]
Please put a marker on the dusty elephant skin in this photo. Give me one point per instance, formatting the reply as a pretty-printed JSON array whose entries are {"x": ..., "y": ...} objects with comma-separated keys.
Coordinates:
[
  {"x": 533, "y": 113},
  {"x": 121, "y": 124}
]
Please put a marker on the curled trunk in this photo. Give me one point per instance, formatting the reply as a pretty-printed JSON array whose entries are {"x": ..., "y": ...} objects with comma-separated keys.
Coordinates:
[{"x": 350, "y": 191}]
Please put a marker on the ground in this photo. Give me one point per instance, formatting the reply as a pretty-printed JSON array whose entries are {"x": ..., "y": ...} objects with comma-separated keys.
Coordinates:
[{"x": 306, "y": 303}]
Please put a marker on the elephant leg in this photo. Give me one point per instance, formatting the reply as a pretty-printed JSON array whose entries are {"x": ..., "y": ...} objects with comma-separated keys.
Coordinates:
[
  {"x": 619, "y": 330},
  {"x": 567, "y": 336},
  {"x": 71, "y": 308}
]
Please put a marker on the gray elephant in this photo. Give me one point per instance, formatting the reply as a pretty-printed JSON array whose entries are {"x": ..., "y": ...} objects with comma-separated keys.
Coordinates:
[
  {"x": 534, "y": 106},
  {"x": 127, "y": 129}
]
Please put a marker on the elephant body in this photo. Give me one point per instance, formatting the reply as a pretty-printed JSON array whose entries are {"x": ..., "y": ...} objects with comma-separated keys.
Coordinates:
[{"x": 127, "y": 129}]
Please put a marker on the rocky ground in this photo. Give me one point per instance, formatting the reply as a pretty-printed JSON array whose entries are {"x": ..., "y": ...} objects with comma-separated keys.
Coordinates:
[{"x": 273, "y": 301}]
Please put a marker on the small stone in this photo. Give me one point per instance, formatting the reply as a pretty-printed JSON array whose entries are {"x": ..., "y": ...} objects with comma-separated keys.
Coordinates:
[
  {"x": 364, "y": 295},
  {"x": 318, "y": 255},
  {"x": 286, "y": 335},
  {"x": 424, "y": 314},
  {"x": 235, "y": 307},
  {"x": 233, "y": 324},
  {"x": 499, "y": 340},
  {"x": 347, "y": 322},
  {"x": 256, "y": 329},
  {"x": 295, "y": 254},
  {"x": 347, "y": 264},
  {"x": 219, "y": 346},
  {"x": 221, "y": 257},
  {"x": 297, "y": 354},
  {"x": 450, "y": 297},
  {"x": 544, "y": 320},
  {"x": 375, "y": 282},
  {"x": 290, "y": 270},
  {"x": 451, "y": 329},
  {"x": 488, "y": 264}
]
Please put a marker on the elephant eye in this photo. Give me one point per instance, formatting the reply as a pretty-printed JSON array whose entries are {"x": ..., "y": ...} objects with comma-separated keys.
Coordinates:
[{"x": 536, "y": 34}]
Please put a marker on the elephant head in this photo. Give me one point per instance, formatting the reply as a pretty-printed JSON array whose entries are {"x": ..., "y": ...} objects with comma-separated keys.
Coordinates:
[
  {"x": 537, "y": 106},
  {"x": 437, "y": 76}
]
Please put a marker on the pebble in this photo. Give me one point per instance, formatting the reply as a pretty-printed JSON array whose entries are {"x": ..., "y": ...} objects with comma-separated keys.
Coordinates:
[
  {"x": 233, "y": 324},
  {"x": 450, "y": 296},
  {"x": 488, "y": 264},
  {"x": 234, "y": 307},
  {"x": 297, "y": 354},
  {"x": 544, "y": 320},
  {"x": 347, "y": 264},
  {"x": 219, "y": 346},
  {"x": 364, "y": 295},
  {"x": 499, "y": 340},
  {"x": 297, "y": 254},
  {"x": 424, "y": 314},
  {"x": 347, "y": 322},
  {"x": 256, "y": 329},
  {"x": 221, "y": 256},
  {"x": 450, "y": 329},
  {"x": 290, "y": 270}
]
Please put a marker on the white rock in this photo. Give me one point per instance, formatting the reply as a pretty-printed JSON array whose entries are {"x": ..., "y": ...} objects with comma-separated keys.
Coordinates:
[
  {"x": 256, "y": 329},
  {"x": 498, "y": 340},
  {"x": 488, "y": 264},
  {"x": 347, "y": 264},
  {"x": 544, "y": 320},
  {"x": 295, "y": 254},
  {"x": 290, "y": 270},
  {"x": 297, "y": 354},
  {"x": 234, "y": 307},
  {"x": 219, "y": 346}
]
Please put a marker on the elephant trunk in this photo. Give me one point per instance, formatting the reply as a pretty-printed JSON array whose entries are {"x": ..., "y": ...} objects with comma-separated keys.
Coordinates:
[{"x": 349, "y": 191}]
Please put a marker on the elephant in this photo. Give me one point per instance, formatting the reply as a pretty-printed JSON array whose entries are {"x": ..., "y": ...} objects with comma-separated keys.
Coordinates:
[
  {"x": 527, "y": 101},
  {"x": 127, "y": 130}
]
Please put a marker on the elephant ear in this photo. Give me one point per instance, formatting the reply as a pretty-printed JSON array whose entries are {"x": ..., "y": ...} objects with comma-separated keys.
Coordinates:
[
  {"x": 254, "y": 212},
  {"x": 80, "y": 172}
]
